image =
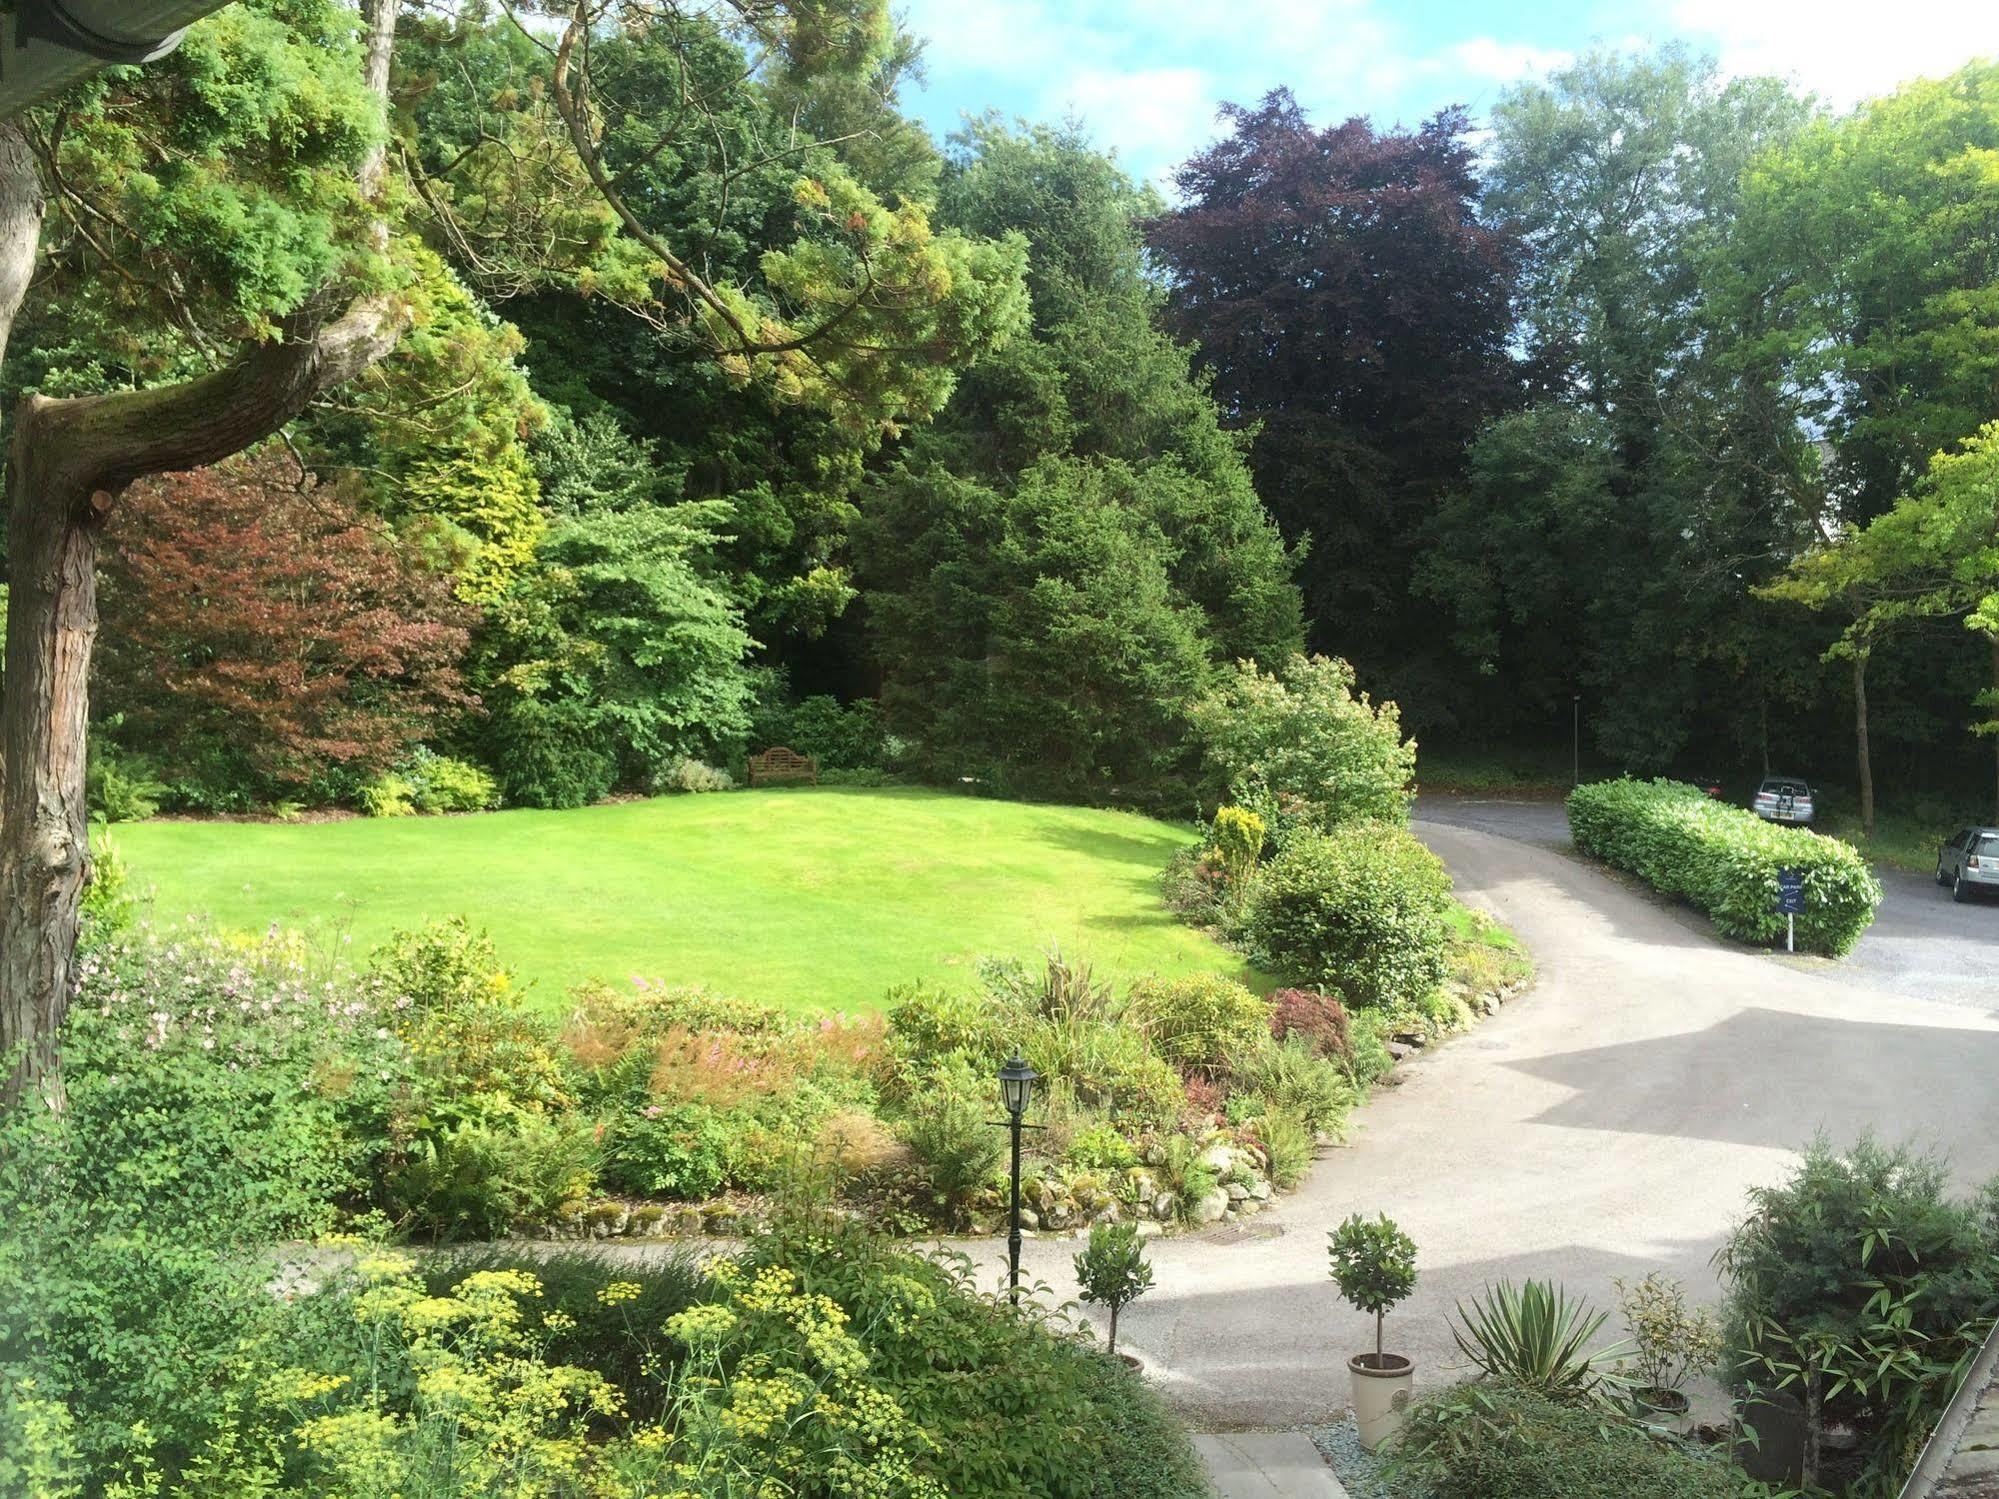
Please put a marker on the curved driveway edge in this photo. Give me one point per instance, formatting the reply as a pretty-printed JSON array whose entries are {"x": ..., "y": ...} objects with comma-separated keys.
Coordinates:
[{"x": 1607, "y": 1123}]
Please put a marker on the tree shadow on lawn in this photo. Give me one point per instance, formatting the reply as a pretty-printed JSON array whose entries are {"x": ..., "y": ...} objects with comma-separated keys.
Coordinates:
[
  {"x": 1145, "y": 849},
  {"x": 1772, "y": 1078}
]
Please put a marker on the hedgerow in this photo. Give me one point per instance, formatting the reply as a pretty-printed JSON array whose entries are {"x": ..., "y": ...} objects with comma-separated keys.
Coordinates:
[{"x": 1725, "y": 860}]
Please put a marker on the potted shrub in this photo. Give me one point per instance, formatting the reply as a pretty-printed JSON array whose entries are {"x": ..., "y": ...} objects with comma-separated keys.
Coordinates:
[
  {"x": 1374, "y": 1265},
  {"x": 1668, "y": 1343},
  {"x": 1112, "y": 1273}
]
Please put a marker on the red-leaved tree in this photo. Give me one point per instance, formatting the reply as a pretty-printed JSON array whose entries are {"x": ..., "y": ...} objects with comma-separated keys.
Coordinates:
[
  {"x": 261, "y": 631},
  {"x": 1345, "y": 293}
]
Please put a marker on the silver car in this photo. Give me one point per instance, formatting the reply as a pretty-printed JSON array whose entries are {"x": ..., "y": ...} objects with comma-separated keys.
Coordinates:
[
  {"x": 1784, "y": 799},
  {"x": 1970, "y": 862}
]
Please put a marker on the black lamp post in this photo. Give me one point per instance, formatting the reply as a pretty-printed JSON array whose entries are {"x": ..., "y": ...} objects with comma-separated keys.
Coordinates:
[
  {"x": 1576, "y": 739},
  {"x": 1016, "y": 1088}
]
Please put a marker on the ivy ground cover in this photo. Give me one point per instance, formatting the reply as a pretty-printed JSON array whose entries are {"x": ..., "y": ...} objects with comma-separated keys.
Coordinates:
[{"x": 804, "y": 897}]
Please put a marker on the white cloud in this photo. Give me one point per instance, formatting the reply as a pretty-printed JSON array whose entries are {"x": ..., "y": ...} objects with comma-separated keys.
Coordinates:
[
  {"x": 1842, "y": 50},
  {"x": 1149, "y": 115},
  {"x": 1506, "y": 62},
  {"x": 1146, "y": 75}
]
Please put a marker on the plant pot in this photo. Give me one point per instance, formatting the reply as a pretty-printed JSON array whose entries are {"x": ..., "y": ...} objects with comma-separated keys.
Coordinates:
[
  {"x": 1381, "y": 1388},
  {"x": 1661, "y": 1410},
  {"x": 1131, "y": 1363}
]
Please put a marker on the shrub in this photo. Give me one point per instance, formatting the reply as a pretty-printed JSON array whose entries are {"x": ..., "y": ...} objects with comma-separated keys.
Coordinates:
[
  {"x": 388, "y": 795},
  {"x": 1374, "y": 1265},
  {"x": 598, "y": 1313},
  {"x": 119, "y": 788},
  {"x": 1112, "y": 1272},
  {"x": 217, "y": 1098},
  {"x": 218, "y": 1083},
  {"x": 440, "y": 783},
  {"x": 547, "y": 753},
  {"x": 1288, "y": 1145},
  {"x": 1725, "y": 860},
  {"x": 1101, "y": 1148},
  {"x": 927, "y": 1023},
  {"x": 1533, "y": 1337},
  {"x": 264, "y": 633},
  {"x": 678, "y": 1150},
  {"x": 445, "y": 1395},
  {"x": 1204, "y": 1022},
  {"x": 479, "y": 1178},
  {"x": 1315, "y": 1020},
  {"x": 693, "y": 777},
  {"x": 840, "y": 736},
  {"x": 1302, "y": 750},
  {"x": 1290, "y": 1078},
  {"x": 955, "y": 1141},
  {"x": 1007, "y": 1400},
  {"x": 1237, "y": 839},
  {"x": 106, "y": 906},
  {"x": 614, "y": 655},
  {"x": 1668, "y": 1342},
  {"x": 1361, "y": 910},
  {"x": 441, "y": 965},
  {"x": 1195, "y": 888},
  {"x": 1865, "y": 1267},
  {"x": 1493, "y": 1441}
]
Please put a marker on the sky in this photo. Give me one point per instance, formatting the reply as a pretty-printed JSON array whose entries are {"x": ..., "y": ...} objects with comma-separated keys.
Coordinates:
[{"x": 1145, "y": 76}]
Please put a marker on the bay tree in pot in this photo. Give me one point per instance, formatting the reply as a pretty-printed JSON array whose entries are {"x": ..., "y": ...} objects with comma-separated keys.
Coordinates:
[{"x": 1374, "y": 1265}]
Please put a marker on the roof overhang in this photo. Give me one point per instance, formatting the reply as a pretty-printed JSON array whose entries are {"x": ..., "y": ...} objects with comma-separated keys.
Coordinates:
[{"x": 49, "y": 44}]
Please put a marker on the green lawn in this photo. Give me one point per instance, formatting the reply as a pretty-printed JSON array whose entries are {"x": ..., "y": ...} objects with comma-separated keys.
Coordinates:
[{"x": 800, "y": 897}]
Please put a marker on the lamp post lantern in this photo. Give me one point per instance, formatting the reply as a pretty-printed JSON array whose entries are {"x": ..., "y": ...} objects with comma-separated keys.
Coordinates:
[{"x": 1016, "y": 1089}]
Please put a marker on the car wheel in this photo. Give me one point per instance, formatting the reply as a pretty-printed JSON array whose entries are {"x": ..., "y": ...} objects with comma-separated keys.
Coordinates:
[
  {"x": 1957, "y": 890},
  {"x": 1942, "y": 877}
]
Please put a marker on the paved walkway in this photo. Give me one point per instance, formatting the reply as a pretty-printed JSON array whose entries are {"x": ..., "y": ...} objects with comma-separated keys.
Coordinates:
[
  {"x": 1267, "y": 1465},
  {"x": 1606, "y": 1124}
]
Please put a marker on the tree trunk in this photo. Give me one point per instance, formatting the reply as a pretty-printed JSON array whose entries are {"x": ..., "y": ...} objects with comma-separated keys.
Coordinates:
[
  {"x": 1861, "y": 753},
  {"x": 70, "y": 460},
  {"x": 44, "y": 836},
  {"x": 1994, "y": 642},
  {"x": 20, "y": 224}
]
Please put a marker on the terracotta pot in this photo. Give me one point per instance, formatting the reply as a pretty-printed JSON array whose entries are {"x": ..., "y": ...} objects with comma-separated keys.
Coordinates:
[{"x": 1381, "y": 1387}]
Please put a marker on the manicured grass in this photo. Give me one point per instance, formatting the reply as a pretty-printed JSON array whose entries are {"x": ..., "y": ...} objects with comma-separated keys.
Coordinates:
[{"x": 801, "y": 897}]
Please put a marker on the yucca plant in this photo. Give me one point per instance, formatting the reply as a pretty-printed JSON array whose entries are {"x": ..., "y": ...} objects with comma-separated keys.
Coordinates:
[{"x": 1536, "y": 1337}]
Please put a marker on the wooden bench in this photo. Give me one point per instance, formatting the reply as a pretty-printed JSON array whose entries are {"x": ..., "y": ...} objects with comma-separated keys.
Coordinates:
[{"x": 780, "y": 764}]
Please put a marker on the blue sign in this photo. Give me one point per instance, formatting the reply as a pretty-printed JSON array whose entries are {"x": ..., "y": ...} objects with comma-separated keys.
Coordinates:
[{"x": 1790, "y": 892}]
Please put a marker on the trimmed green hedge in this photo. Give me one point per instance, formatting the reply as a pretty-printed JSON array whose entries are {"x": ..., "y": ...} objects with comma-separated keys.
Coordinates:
[{"x": 1725, "y": 860}]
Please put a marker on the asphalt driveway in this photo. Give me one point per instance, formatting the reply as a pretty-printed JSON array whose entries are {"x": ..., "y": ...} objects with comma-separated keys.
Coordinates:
[
  {"x": 1608, "y": 1123},
  {"x": 1922, "y": 944}
]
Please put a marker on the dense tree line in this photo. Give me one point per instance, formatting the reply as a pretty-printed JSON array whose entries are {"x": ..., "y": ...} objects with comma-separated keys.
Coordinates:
[{"x": 677, "y": 394}]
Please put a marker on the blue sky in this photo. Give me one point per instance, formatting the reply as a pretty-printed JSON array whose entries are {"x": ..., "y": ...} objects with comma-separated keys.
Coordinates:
[{"x": 1146, "y": 75}]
